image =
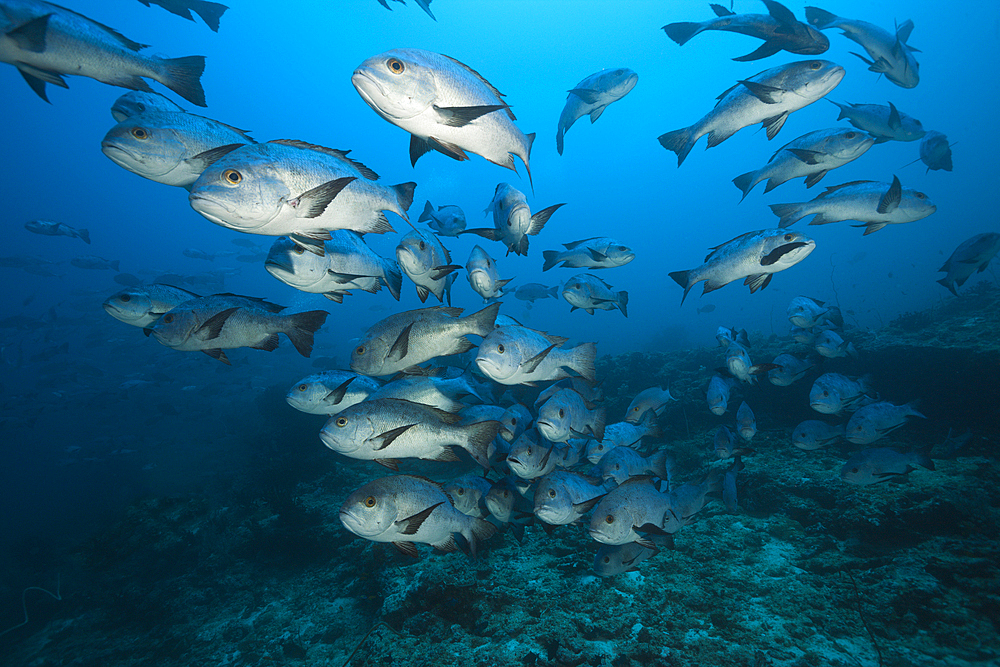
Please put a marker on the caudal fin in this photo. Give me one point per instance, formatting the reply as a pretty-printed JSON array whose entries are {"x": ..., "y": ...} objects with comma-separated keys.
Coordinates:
[
  {"x": 392, "y": 277},
  {"x": 210, "y": 12},
  {"x": 621, "y": 299},
  {"x": 660, "y": 464},
  {"x": 404, "y": 195},
  {"x": 745, "y": 183},
  {"x": 681, "y": 278},
  {"x": 559, "y": 138},
  {"x": 820, "y": 18},
  {"x": 679, "y": 141},
  {"x": 301, "y": 328},
  {"x": 481, "y": 323},
  {"x": 950, "y": 284},
  {"x": 583, "y": 359},
  {"x": 539, "y": 219},
  {"x": 427, "y": 213},
  {"x": 789, "y": 214},
  {"x": 480, "y": 436},
  {"x": 183, "y": 76},
  {"x": 84, "y": 235},
  {"x": 683, "y": 31},
  {"x": 551, "y": 258}
]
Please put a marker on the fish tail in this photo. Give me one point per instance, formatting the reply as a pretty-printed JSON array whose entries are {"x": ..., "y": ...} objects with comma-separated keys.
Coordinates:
[
  {"x": 210, "y": 12},
  {"x": 302, "y": 326},
  {"x": 621, "y": 299},
  {"x": 392, "y": 277},
  {"x": 480, "y": 436},
  {"x": 476, "y": 531},
  {"x": 115, "y": 264},
  {"x": 404, "y": 195},
  {"x": 582, "y": 360},
  {"x": 911, "y": 410},
  {"x": 679, "y": 141},
  {"x": 944, "y": 282},
  {"x": 482, "y": 322},
  {"x": 660, "y": 464},
  {"x": 682, "y": 278},
  {"x": 789, "y": 213},
  {"x": 427, "y": 213},
  {"x": 745, "y": 183},
  {"x": 820, "y": 18},
  {"x": 683, "y": 31},
  {"x": 539, "y": 219},
  {"x": 183, "y": 76},
  {"x": 559, "y": 138},
  {"x": 554, "y": 291},
  {"x": 922, "y": 458},
  {"x": 84, "y": 235},
  {"x": 551, "y": 258}
]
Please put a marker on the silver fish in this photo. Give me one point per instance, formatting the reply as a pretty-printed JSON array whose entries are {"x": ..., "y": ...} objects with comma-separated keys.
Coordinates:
[
  {"x": 563, "y": 497},
  {"x": 210, "y": 12},
  {"x": 530, "y": 459},
  {"x": 871, "y": 466},
  {"x": 404, "y": 510},
  {"x": 726, "y": 336},
  {"x": 566, "y": 414},
  {"x": 95, "y": 263},
  {"x": 442, "y": 393},
  {"x": 971, "y": 256},
  {"x": 592, "y": 96},
  {"x": 874, "y": 422},
  {"x": 729, "y": 485},
  {"x": 595, "y": 253},
  {"x": 627, "y": 512},
  {"x": 139, "y": 101},
  {"x": 741, "y": 367},
  {"x": 330, "y": 392},
  {"x": 810, "y": 156},
  {"x": 447, "y": 220},
  {"x": 141, "y": 306},
  {"x": 833, "y": 393},
  {"x": 512, "y": 219},
  {"x": 829, "y": 344},
  {"x": 590, "y": 293},
  {"x": 755, "y": 256},
  {"x": 935, "y": 151},
  {"x": 387, "y": 429},
  {"x": 789, "y": 369},
  {"x": 468, "y": 493},
  {"x": 170, "y": 148},
  {"x": 689, "y": 499},
  {"x": 746, "y": 423},
  {"x": 653, "y": 398},
  {"x": 445, "y": 106},
  {"x": 511, "y": 501},
  {"x": 194, "y": 253},
  {"x": 531, "y": 292},
  {"x": 403, "y": 340},
  {"x": 45, "y": 41},
  {"x": 50, "y": 228},
  {"x": 806, "y": 312},
  {"x": 813, "y": 434},
  {"x": 767, "y": 98},
  {"x": 515, "y": 421},
  {"x": 621, "y": 463},
  {"x": 719, "y": 388},
  {"x": 612, "y": 559},
  {"x": 623, "y": 434},
  {"x": 885, "y": 123},
  {"x": 517, "y": 355},
  {"x": 426, "y": 262},
  {"x": 484, "y": 276}
]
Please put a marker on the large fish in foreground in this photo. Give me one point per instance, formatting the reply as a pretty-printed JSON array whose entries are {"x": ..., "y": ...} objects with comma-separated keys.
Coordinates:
[
  {"x": 512, "y": 219},
  {"x": 971, "y": 256},
  {"x": 45, "y": 42},
  {"x": 592, "y": 96},
  {"x": 766, "y": 98},
  {"x": 778, "y": 28},
  {"x": 445, "y": 106},
  {"x": 756, "y": 256}
]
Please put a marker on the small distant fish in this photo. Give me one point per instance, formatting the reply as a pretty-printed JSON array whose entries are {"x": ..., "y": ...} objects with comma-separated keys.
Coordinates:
[
  {"x": 563, "y": 497},
  {"x": 789, "y": 369},
  {"x": 530, "y": 459},
  {"x": 746, "y": 423},
  {"x": 875, "y": 421},
  {"x": 531, "y": 292},
  {"x": 447, "y": 220},
  {"x": 581, "y": 385},
  {"x": 566, "y": 414},
  {"x": 592, "y": 96},
  {"x": 778, "y": 28},
  {"x": 872, "y": 203},
  {"x": 404, "y": 510},
  {"x": 729, "y": 485},
  {"x": 885, "y": 123},
  {"x": 510, "y": 501},
  {"x": 426, "y": 262},
  {"x": 611, "y": 560},
  {"x": 423, "y": 4},
  {"x": 49, "y": 228},
  {"x": 515, "y": 420},
  {"x": 813, "y": 434},
  {"x": 871, "y": 466},
  {"x": 707, "y": 308},
  {"x": 755, "y": 256},
  {"x": 468, "y": 493},
  {"x": 767, "y": 98},
  {"x": 210, "y": 12},
  {"x": 590, "y": 293},
  {"x": 483, "y": 275},
  {"x": 829, "y": 344},
  {"x": 245, "y": 243},
  {"x": 445, "y": 106},
  {"x": 935, "y": 151},
  {"x": 594, "y": 253},
  {"x": 330, "y": 392},
  {"x": 890, "y": 54},
  {"x": 833, "y": 393},
  {"x": 806, "y": 312},
  {"x": 127, "y": 279},
  {"x": 140, "y": 101},
  {"x": 740, "y": 366},
  {"x": 687, "y": 500},
  {"x": 512, "y": 219},
  {"x": 653, "y": 398},
  {"x": 141, "y": 306},
  {"x": 45, "y": 41},
  {"x": 727, "y": 336},
  {"x": 194, "y": 253},
  {"x": 971, "y": 256},
  {"x": 724, "y": 443},
  {"x": 517, "y": 355},
  {"x": 719, "y": 388},
  {"x": 95, "y": 263},
  {"x": 623, "y": 434}
]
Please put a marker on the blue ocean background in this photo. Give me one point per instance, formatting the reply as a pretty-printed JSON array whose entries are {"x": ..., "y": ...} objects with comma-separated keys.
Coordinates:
[{"x": 81, "y": 445}]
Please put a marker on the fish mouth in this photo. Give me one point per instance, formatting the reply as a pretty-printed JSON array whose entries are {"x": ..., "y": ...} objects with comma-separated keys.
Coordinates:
[
  {"x": 369, "y": 88},
  {"x": 489, "y": 368},
  {"x": 351, "y": 522},
  {"x": 116, "y": 151}
]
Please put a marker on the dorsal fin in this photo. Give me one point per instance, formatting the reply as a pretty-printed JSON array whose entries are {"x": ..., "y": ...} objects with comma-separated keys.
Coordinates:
[
  {"x": 125, "y": 41},
  {"x": 833, "y": 188},
  {"x": 332, "y": 152},
  {"x": 486, "y": 83},
  {"x": 716, "y": 248}
]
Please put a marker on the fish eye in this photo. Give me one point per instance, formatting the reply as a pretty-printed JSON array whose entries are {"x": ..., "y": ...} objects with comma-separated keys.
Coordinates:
[
  {"x": 826, "y": 393},
  {"x": 303, "y": 387},
  {"x": 501, "y": 348},
  {"x": 142, "y": 107},
  {"x": 125, "y": 298},
  {"x": 552, "y": 493},
  {"x": 921, "y": 195},
  {"x": 360, "y": 349},
  {"x": 232, "y": 176},
  {"x": 342, "y": 421},
  {"x": 297, "y": 250},
  {"x": 635, "y": 409},
  {"x": 513, "y": 421},
  {"x": 168, "y": 318},
  {"x": 460, "y": 491},
  {"x": 609, "y": 518},
  {"x": 422, "y": 245},
  {"x": 562, "y": 413},
  {"x": 506, "y": 494},
  {"x": 370, "y": 501},
  {"x": 509, "y": 223},
  {"x": 618, "y": 466},
  {"x": 139, "y": 133},
  {"x": 854, "y": 469},
  {"x": 788, "y": 237},
  {"x": 851, "y": 135},
  {"x": 815, "y": 65},
  {"x": 395, "y": 65},
  {"x": 607, "y": 559}
]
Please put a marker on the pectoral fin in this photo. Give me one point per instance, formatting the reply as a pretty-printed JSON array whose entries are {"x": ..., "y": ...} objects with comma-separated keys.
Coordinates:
[
  {"x": 895, "y": 122},
  {"x": 410, "y": 525},
  {"x": 768, "y": 48},
  {"x": 763, "y": 92},
  {"x": 890, "y": 200},
  {"x": 313, "y": 202},
  {"x": 586, "y": 94},
  {"x": 30, "y": 36},
  {"x": 774, "y": 124},
  {"x": 218, "y": 354},
  {"x": 212, "y": 327},
  {"x": 449, "y": 149},
  {"x": 337, "y": 395},
  {"x": 807, "y": 156},
  {"x": 758, "y": 281},
  {"x": 462, "y": 116},
  {"x": 531, "y": 364},
  {"x": 389, "y": 436},
  {"x": 401, "y": 345}
]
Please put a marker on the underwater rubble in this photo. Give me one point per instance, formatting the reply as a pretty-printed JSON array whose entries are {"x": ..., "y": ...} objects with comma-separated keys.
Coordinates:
[{"x": 808, "y": 571}]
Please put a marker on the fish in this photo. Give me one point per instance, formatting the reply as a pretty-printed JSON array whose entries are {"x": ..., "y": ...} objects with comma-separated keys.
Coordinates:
[
  {"x": 789, "y": 369},
  {"x": 50, "y": 228},
  {"x": 45, "y": 42},
  {"x": 813, "y": 434},
  {"x": 442, "y": 393},
  {"x": 590, "y": 392},
  {"x": 245, "y": 243},
  {"x": 512, "y": 219},
  {"x": 137, "y": 102},
  {"x": 513, "y": 355},
  {"x": 484, "y": 276},
  {"x": 881, "y": 464},
  {"x": 746, "y": 423},
  {"x": 623, "y": 434},
  {"x": 724, "y": 443},
  {"x": 590, "y": 293},
  {"x": 874, "y": 422},
  {"x": 566, "y": 414},
  {"x": 330, "y": 392},
  {"x": 532, "y": 292},
  {"x": 778, "y": 28},
  {"x": 22, "y": 261},
  {"x": 652, "y": 398},
  {"x": 611, "y": 560},
  {"x": 447, "y": 220},
  {"x": 767, "y": 98},
  {"x": 426, "y": 262},
  {"x": 594, "y": 253},
  {"x": 292, "y": 188},
  {"x": 194, "y": 253},
  {"x": 755, "y": 256},
  {"x": 592, "y": 96},
  {"x": 872, "y": 203},
  {"x": 387, "y": 429},
  {"x": 890, "y": 54},
  {"x": 530, "y": 459},
  {"x": 726, "y": 336},
  {"x": 719, "y": 388},
  {"x": 468, "y": 494},
  {"x": 445, "y": 106},
  {"x": 688, "y": 499},
  {"x": 210, "y": 12},
  {"x": 347, "y": 263},
  {"x": 935, "y": 151},
  {"x": 971, "y": 256},
  {"x": 707, "y": 308},
  {"x": 403, "y": 340},
  {"x": 515, "y": 420},
  {"x": 629, "y": 512},
  {"x": 806, "y": 312},
  {"x": 143, "y": 305},
  {"x": 95, "y": 263},
  {"x": 212, "y": 324},
  {"x": 833, "y": 393},
  {"x": 810, "y": 156},
  {"x": 622, "y": 463},
  {"x": 423, "y": 4},
  {"x": 740, "y": 366},
  {"x": 829, "y": 344},
  {"x": 563, "y": 497},
  {"x": 404, "y": 510},
  {"x": 884, "y": 123},
  {"x": 169, "y": 147}
]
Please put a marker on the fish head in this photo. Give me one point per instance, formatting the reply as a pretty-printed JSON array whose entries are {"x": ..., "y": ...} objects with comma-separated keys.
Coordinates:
[
  {"x": 500, "y": 499},
  {"x": 858, "y": 470},
  {"x": 145, "y": 145},
  {"x": 291, "y": 264},
  {"x": 499, "y": 355},
  {"x": 612, "y": 467},
  {"x": 612, "y": 521},
  {"x": 399, "y": 85},
  {"x": 131, "y": 306},
  {"x": 848, "y": 144},
  {"x": 308, "y": 396},
  {"x": 811, "y": 79},
  {"x": 463, "y": 496},
  {"x": 783, "y": 249},
  {"x": 576, "y": 293},
  {"x": 244, "y": 190},
  {"x": 514, "y": 422},
  {"x": 815, "y": 42},
  {"x": 513, "y": 219},
  {"x": 619, "y": 254},
  {"x": 138, "y": 102},
  {"x": 370, "y": 511},
  {"x": 804, "y": 336},
  {"x": 555, "y": 418},
  {"x": 175, "y": 326},
  {"x": 916, "y": 205},
  {"x": 368, "y": 356},
  {"x": 596, "y": 449},
  {"x": 723, "y": 442},
  {"x": 860, "y": 430},
  {"x": 347, "y": 432},
  {"x": 825, "y": 399},
  {"x": 417, "y": 253}
]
